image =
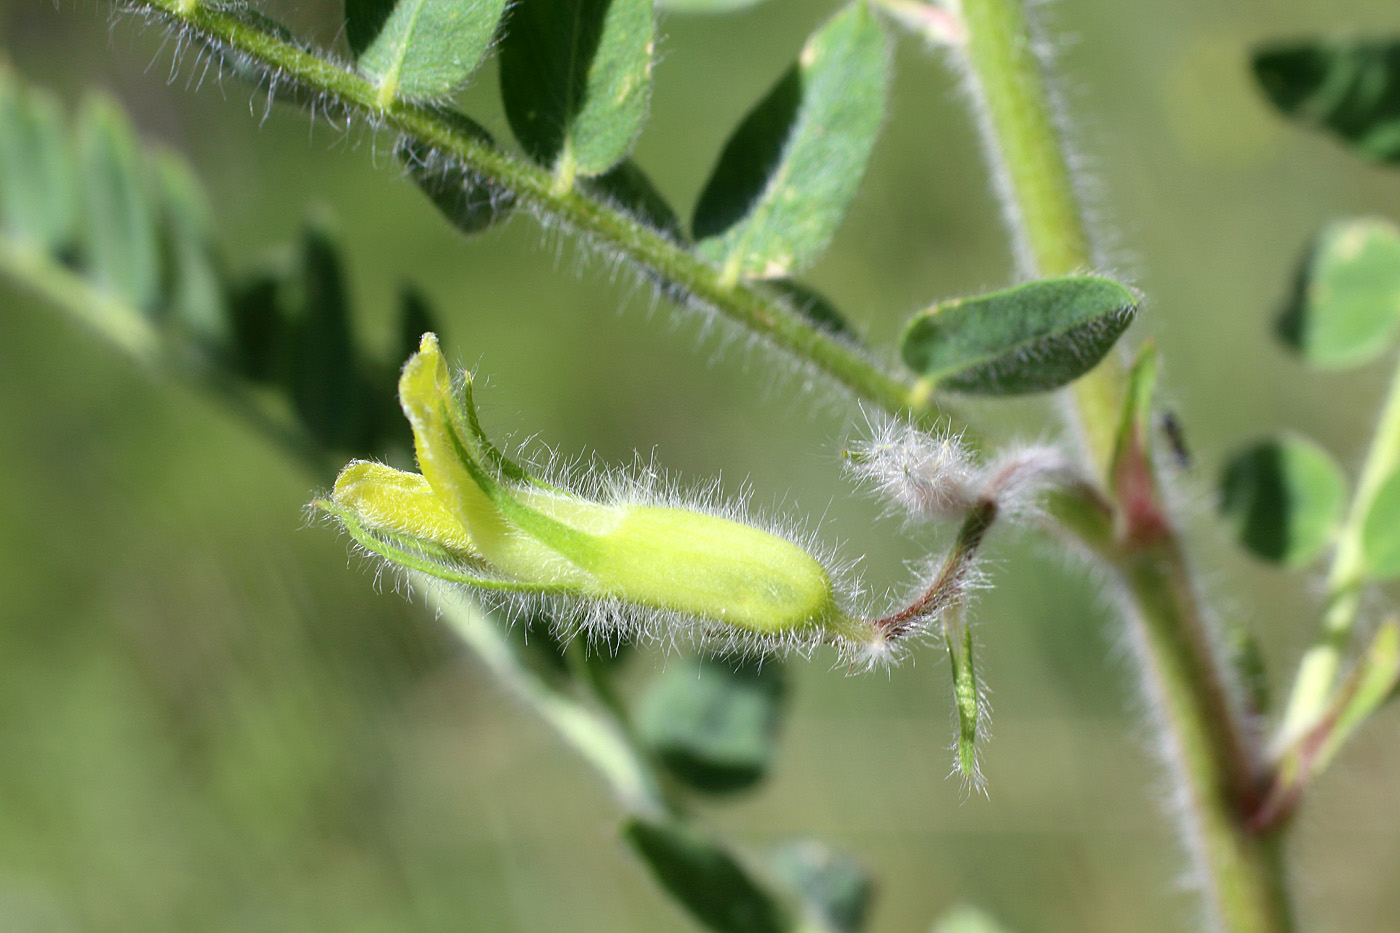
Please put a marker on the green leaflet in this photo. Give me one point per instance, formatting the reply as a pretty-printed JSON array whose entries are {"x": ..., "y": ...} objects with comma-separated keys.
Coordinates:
[
  {"x": 1351, "y": 88},
  {"x": 707, "y": 881},
  {"x": 36, "y": 168},
  {"x": 1031, "y": 338},
  {"x": 715, "y": 727},
  {"x": 119, "y": 241},
  {"x": 835, "y": 887},
  {"x": 420, "y": 49},
  {"x": 576, "y": 81},
  {"x": 791, "y": 168},
  {"x": 195, "y": 300},
  {"x": 1284, "y": 498},
  {"x": 1347, "y": 303},
  {"x": 467, "y": 200},
  {"x": 322, "y": 370},
  {"x": 1380, "y": 533}
]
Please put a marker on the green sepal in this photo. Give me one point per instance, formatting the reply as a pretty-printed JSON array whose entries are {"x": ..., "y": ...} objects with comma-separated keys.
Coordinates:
[
  {"x": 715, "y": 727},
  {"x": 709, "y": 882},
  {"x": 1346, "y": 306},
  {"x": 836, "y": 888},
  {"x": 1031, "y": 338},
  {"x": 1284, "y": 498},
  {"x": 790, "y": 170},
  {"x": 1350, "y": 88},
  {"x": 576, "y": 81}
]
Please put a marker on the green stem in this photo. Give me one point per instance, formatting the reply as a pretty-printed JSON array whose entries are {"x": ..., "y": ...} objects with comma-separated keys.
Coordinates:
[
  {"x": 253, "y": 40},
  {"x": 1213, "y": 749},
  {"x": 1218, "y": 782},
  {"x": 1317, "y": 674},
  {"x": 1043, "y": 211}
]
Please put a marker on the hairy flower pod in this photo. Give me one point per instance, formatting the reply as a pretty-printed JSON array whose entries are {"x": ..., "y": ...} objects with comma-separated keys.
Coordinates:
[{"x": 475, "y": 517}]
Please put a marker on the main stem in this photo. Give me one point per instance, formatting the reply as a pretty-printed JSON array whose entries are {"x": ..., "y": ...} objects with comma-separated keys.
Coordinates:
[{"x": 1211, "y": 749}]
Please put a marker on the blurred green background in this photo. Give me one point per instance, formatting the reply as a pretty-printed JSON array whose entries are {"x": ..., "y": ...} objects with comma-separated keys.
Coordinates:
[{"x": 210, "y": 719}]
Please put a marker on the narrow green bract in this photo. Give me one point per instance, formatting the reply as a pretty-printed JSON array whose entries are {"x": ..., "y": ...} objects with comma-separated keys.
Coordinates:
[
  {"x": 475, "y": 517},
  {"x": 420, "y": 49},
  {"x": 576, "y": 80},
  {"x": 787, "y": 175},
  {"x": 1035, "y": 337}
]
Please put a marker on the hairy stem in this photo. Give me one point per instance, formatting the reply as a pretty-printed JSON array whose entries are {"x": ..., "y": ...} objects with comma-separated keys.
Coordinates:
[
  {"x": 1044, "y": 213},
  {"x": 1317, "y": 674},
  {"x": 1214, "y": 759}
]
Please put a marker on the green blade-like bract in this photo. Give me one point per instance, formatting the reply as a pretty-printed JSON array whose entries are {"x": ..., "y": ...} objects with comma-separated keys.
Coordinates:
[
  {"x": 790, "y": 170},
  {"x": 420, "y": 49},
  {"x": 1035, "y": 337},
  {"x": 576, "y": 80}
]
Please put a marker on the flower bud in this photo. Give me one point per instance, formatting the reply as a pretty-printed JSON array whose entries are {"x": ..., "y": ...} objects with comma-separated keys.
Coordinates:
[{"x": 475, "y": 517}]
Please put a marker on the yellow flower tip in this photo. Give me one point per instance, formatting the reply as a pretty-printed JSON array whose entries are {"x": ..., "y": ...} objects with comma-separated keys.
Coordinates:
[{"x": 384, "y": 499}]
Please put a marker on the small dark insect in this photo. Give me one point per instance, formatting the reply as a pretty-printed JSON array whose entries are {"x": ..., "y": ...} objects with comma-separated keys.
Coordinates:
[{"x": 1176, "y": 439}]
